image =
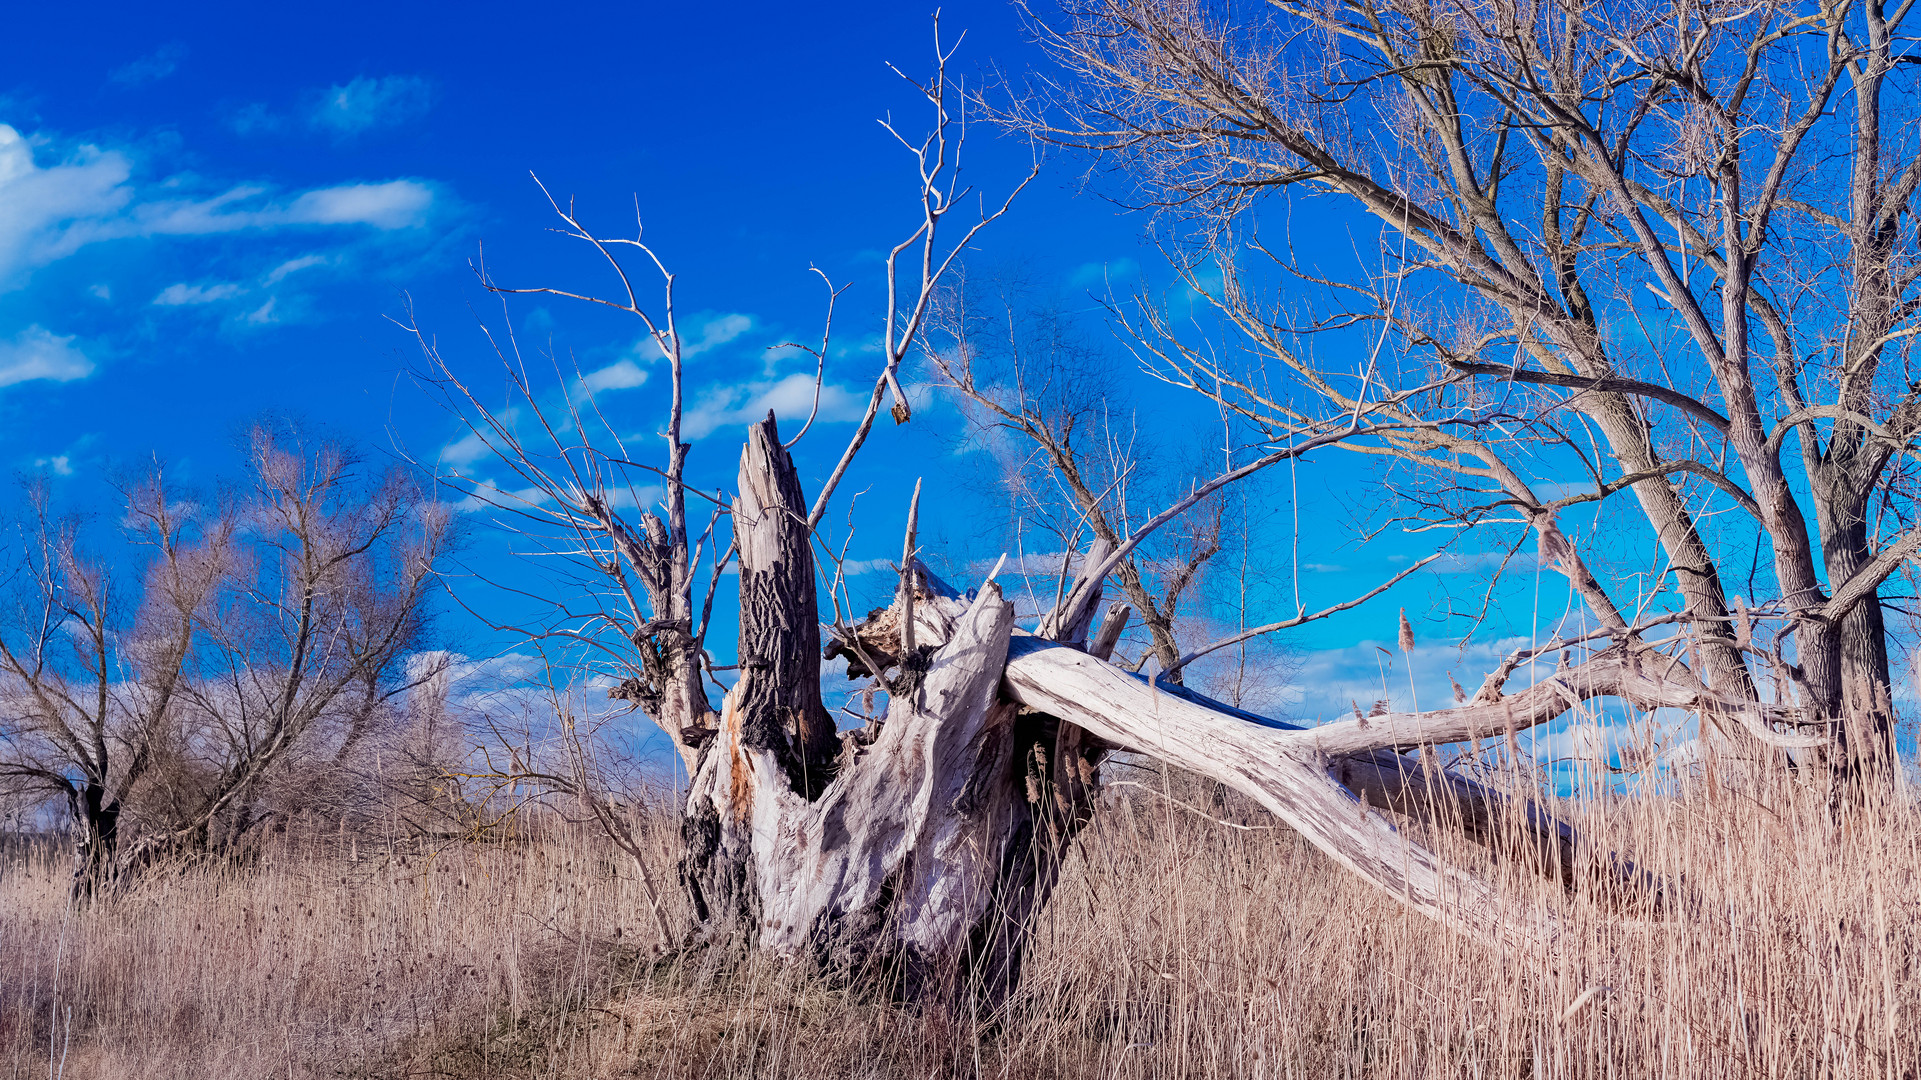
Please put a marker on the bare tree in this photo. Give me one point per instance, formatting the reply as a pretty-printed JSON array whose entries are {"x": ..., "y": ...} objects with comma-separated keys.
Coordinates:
[
  {"x": 91, "y": 672},
  {"x": 303, "y": 650},
  {"x": 1070, "y": 451},
  {"x": 1078, "y": 466},
  {"x": 1662, "y": 252}
]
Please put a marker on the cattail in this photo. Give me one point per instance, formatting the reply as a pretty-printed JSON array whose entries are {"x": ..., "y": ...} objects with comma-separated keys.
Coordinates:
[
  {"x": 1460, "y": 694},
  {"x": 1407, "y": 633},
  {"x": 1554, "y": 546}
]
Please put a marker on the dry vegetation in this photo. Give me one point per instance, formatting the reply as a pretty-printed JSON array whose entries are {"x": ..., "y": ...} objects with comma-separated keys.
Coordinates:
[{"x": 1177, "y": 946}]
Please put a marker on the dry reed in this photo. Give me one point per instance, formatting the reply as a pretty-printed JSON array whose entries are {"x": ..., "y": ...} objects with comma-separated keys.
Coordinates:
[{"x": 1177, "y": 945}]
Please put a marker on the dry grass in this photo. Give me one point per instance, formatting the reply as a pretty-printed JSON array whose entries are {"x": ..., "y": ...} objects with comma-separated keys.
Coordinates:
[{"x": 1175, "y": 946}]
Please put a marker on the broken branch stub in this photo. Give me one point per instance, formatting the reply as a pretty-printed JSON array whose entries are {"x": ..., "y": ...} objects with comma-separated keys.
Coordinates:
[{"x": 780, "y": 705}]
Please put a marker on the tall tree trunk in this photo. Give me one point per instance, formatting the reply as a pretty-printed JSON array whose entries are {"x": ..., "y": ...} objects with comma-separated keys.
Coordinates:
[
  {"x": 96, "y": 849},
  {"x": 1859, "y": 688}
]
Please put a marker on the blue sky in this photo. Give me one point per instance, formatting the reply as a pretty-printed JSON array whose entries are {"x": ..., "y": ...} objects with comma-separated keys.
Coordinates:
[{"x": 213, "y": 212}]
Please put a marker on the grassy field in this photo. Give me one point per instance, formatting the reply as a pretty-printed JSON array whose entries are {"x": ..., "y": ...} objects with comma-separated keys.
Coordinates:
[{"x": 1177, "y": 945}]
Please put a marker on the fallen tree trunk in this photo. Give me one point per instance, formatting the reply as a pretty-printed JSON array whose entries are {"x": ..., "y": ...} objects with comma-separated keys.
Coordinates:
[{"x": 1330, "y": 798}]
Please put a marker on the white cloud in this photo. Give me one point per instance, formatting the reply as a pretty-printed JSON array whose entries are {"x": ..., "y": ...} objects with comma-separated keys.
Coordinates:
[
  {"x": 465, "y": 450},
  {"x": 101, "y": 291},
  {"x": 395, "y": 204},
  {"x": 48, "y": 212},
  {"x": 853, "y": 567},
  {"x": 58, "y": 465},
  {"x": 35, "y": 353},
  {"x": 700, "y": 333},
  {"x": 263, "y": 314},
  {"x": 181, "y": 294},
  {"x": 153, "y": 67},
  {"x": 294, "y": 265},
  {"x": 1551, "y": 491},
  {"x": 1332, "y": 681},
  {"x": 632, "y": 497},
  {"x": 1046, "y": 564},
  {"x": 621, "y": 375},
  {"x": 487, "y": 495},
  {"x": 365, "y": 104},
  {"x": 790, "y": 399},
  {"x": 37, "y": 203},
  {"x": 1475, "y": 562},
  {"x": 472, "y": 446},
  {"x": 713, "y": 332}
]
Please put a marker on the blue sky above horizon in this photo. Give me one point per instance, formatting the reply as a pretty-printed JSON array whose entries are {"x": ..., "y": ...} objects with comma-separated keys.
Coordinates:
[{"x": 211, "y": 214}]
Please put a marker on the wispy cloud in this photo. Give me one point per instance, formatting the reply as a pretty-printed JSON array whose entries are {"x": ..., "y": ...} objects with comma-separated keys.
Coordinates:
[
  {"x": 487, "y": 495},
  {"x": 854, "y": 567},
  {"x": 181, "y": 294},
  {"x": 621, "y": 375},
  {"x": 702, "y": 332},
  {"x": 789, "y": 399},
  {"x": 1475, "y": 562},
  {"x": 367, "y": 104},
  {"x": 48, "y": 212},
  {"x": 36, "y": 353},
  {"x": 1332, "y": 681},
  {"x": 472, "y": 446},
  {"x": 152, "y": 67},
  {"x": 291, "y": 266}
]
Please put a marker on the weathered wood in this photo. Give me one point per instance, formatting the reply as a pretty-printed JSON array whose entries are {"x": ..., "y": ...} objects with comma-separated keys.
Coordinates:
[
  {"x": 1283, "y": 770},
  {"x": 1618, "y": 672},
  {"x": 779, "y": 690},
  {"x": 906, "y": 593},
  {"x": 916, "y": 856},
  {"x": 774, "y": 712},
  {"x": 1109, "y": 635},
  {"x": 1081, "y": 597}
]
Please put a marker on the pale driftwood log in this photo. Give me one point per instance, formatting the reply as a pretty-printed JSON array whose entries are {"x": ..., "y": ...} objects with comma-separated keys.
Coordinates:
[{"x": 1314, "y": 779}]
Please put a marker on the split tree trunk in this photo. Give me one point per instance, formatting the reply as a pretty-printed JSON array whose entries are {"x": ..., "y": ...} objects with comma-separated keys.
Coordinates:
[
  {"x": 926, "y": 848},
  {"x": 923, "y": 851}
]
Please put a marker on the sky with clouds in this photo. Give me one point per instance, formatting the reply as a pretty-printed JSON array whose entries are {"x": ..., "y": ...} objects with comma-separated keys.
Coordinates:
[{"x": 211, "y": 213}]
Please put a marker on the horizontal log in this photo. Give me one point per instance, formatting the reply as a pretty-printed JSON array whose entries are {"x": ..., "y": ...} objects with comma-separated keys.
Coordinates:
[
  {"x": 1280, "y": 768},
  {"x": 1612, "y": 674}
]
